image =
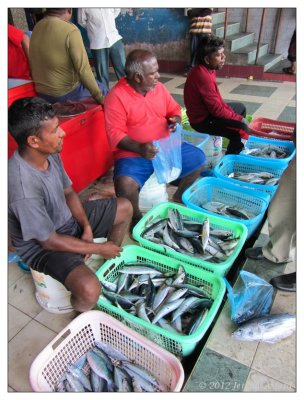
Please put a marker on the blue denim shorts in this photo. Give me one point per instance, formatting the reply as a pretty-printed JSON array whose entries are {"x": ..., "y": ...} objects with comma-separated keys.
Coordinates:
[{"x": 140, "y": 169}]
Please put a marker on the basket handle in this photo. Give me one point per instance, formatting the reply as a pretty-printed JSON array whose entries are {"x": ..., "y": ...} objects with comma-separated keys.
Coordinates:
[{"x": 61, "y": 339}]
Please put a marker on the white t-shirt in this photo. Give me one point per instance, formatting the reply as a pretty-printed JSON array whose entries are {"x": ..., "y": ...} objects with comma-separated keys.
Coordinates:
[{"x": 100, "y": 25}]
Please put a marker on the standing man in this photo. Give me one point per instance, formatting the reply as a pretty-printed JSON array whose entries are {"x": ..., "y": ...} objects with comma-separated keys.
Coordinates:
[
  {"x": 105, "y": 41},
  {"x": 138, "y": 110},
  {"x": 206, "y": 109},
  {"x": 282, "y": 223},
  {"x": 59, "y": 63},
  {"x": 50, "y": 229}
]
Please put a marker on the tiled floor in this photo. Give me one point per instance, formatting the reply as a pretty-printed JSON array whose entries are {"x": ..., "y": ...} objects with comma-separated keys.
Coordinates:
[{"x": 225, "y": 365}]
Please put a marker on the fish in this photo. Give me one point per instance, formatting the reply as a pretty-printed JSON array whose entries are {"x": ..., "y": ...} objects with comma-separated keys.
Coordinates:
[
  {"x": 80, "y": 375},
  {"x": 74, "y": 383},
  {"x": 155, "y": 227},
  {"x": 99, "y": 366},
  {"x": 166, "y": 309},
  {"x": 270, "y": 329},
  {"x": 152, "y": 303},
  {"x": 269, "y": 151},
  {"x": 205, "y": 233}
]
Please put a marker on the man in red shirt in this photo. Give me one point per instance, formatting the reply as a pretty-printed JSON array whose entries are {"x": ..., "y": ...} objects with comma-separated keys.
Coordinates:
[
  {"x": 206, "y": 109},
  {"x": 139, "y": 110},
  {"x": 18, "y": 51}
]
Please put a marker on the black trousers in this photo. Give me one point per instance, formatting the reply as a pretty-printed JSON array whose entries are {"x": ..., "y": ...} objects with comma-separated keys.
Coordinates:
[{"x": 222, "y": 127}]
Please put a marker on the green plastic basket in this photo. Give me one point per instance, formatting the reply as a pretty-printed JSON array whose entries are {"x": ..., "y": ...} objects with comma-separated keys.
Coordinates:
[
  {"x": 161, "y": 211},
  {"x": 180, "y": 345}
]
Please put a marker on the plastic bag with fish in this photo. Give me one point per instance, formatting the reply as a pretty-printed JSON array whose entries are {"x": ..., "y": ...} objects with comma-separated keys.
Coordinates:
[
  {"x": 270, "y": 329},
  {"x": 252, "y": 299}
]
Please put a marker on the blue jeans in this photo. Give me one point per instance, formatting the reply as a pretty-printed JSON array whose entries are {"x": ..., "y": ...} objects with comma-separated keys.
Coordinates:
[
  {"x": 77, "y": 94},
  {"x": 101, "y": 59}
]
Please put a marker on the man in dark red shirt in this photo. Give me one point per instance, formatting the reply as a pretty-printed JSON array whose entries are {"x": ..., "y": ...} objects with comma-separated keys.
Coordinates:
[
  {"x": 18, "y": 50},
  {"x": 206, "y": 109}
]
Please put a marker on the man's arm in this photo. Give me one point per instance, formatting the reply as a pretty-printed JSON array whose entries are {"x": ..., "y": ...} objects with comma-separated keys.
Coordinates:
[
  {"x": 146, "y": 150},
  {"x": 81, "y": 63},
  {"x": 84, "y": 245},
  {"x": 25, "y": 43},
  {"x": 70, "y": 244}
]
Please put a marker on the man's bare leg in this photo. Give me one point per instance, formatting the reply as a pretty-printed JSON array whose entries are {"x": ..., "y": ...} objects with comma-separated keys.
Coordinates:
[
  {"x": 184, "y": 184},
  {"x": 128, "y": 188},
  {"x": 84, "y": 287},
  {"x": 122, "y": 220}
]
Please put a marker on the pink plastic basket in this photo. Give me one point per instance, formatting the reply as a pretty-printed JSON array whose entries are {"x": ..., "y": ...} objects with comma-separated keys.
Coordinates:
[
  {"x": 80, "y": 335},
  {"x": 266, "y": 127}
]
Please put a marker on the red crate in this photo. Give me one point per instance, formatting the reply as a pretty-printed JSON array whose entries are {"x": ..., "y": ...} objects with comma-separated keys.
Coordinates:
[
  {"x": 86, "y": 153},
  {"x": 18, "y": 92},
  {"x": 264, "y": 126}
]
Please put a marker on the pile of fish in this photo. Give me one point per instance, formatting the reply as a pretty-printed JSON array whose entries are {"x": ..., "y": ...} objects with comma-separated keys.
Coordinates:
[
  {"x": 261, "y": 178},
  {"x": 234, "y": 211},
  {"x": 192, "y": 238},
  {"x": 268, "y": 151},
  {"x": 271, "y": 328},
  {"x": 105, "y": 369},
  {"x": 164, "y": 299}
]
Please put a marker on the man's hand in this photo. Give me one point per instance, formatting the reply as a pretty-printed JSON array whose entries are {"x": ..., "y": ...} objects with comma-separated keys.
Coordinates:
[
  {"x": 147, "y": 150},
  {"x": 87, "y": 234},
  {"x": 172, "y": 121},
  {"x": 109, "y": 250}
]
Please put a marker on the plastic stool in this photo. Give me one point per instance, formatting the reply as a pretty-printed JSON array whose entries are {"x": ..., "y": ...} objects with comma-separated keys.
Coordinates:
[{"x": 51, "y": 294}]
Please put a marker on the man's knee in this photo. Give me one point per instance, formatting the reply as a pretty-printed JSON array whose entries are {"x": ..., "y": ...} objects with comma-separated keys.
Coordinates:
[
  {"x": 84, "y": 285},
  {"x": 125, "y": 186},
  {"x": 124, "y": 208}
]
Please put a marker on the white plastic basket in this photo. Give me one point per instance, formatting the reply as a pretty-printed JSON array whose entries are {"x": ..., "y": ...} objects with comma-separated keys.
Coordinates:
[{"x": 80, "y": 335}]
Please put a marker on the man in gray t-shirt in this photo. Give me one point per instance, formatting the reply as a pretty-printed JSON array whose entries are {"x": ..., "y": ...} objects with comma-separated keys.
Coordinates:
[{"x": 50, "y": 229}]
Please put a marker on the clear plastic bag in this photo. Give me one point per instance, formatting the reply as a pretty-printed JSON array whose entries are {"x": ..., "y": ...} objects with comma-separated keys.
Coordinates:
[
  {"x": 168, "y": 162},
  {"x": 252, "y": 300}
]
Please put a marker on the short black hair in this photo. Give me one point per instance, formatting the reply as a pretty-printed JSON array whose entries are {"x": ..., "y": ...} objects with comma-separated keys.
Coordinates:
[
  {"x": 58, "y": 11},
  {"x": 25, "y": 116},
  {"x": 208, "y": 45}
]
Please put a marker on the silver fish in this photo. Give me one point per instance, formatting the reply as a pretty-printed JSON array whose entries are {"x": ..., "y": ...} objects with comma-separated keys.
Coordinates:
[
  {"x": 163, "y": 323},
  {"x": 75, "y": 384},
  {"x": 80, "y": 375},
  {"x": 205, "y": 233},
  {"x": 139, "y": 270},
  {"x": 271, "y": 328},
  {"x": 166, "y": 309}
]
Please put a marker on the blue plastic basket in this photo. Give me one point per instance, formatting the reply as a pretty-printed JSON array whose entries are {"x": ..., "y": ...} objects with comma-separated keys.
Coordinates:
[
  {"x": 255, "y": 142},
  {"x": 238, "y": 163},
  {"x": 195, "y": 138},
  {"x": 216, "y": 189}
]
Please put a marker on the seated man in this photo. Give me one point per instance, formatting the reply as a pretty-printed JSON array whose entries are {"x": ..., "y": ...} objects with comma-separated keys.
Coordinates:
[
  {"x": 58, "y": 59},
  {"x": 50, "y": 229},
  {"x": 138, "y": 110},
  {"x": 206, "y": 109}
]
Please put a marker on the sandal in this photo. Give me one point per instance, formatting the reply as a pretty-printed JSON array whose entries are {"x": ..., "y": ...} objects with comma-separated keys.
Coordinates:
[{"x": 288, "y": 71}]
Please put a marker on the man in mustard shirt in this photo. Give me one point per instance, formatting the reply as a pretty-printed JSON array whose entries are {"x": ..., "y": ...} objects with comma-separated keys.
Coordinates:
[{"x": 59, "y": 63}]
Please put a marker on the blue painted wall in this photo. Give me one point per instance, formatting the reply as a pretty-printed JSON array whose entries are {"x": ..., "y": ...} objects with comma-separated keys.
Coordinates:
[
  {"x": 152, "y": 25},
  {"x": 161, "y": 29}
]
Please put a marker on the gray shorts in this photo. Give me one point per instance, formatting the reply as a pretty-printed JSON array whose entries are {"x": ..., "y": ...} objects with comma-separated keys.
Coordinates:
[{"x": 58, "y": 264}]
